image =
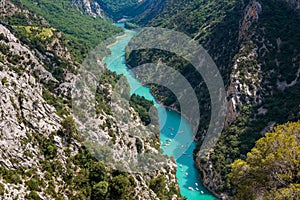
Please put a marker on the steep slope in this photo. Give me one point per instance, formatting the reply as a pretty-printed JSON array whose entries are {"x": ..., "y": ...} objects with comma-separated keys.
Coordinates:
[
  {"x": 255, "y": 45},
  {"x": 116, "y": 9},
  {"x": 264, "y": 79},
  {"x": 89, "y": 7},
  {"x": 141, "y": 11},
  {"x": 42, "y": 154},
  {"x": 82, "y": 33}
]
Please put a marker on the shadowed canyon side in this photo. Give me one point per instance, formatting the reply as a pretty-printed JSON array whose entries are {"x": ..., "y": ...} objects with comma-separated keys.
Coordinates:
[
  {"x": 255, "y": 44},
  {"x": 140, "y": 10}
]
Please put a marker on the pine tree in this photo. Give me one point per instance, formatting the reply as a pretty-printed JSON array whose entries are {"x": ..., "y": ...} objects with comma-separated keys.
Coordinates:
[{"x": 272, "y": 168}]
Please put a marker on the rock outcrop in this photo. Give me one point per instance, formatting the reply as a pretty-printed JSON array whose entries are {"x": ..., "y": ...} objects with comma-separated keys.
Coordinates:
[
  {"x": 41, "y": 153},
  {"x": 89, "y": 7}
]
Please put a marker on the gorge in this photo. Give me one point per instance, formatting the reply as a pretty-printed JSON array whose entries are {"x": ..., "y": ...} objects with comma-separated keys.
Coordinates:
[
  {"x": 44, "y": 44},
  {"x": 171, "y": 124}
]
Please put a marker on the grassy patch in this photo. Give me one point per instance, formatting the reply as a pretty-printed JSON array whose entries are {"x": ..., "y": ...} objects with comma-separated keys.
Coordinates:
[
  {"x": 40, "y": 32},
  {"x": 82, "y": 32}
]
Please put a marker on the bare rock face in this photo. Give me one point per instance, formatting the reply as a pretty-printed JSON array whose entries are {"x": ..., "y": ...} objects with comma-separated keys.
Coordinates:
[
  {"x": 251, "y": 14},
  {"x": 29, "y": 123},
  {"x": 90, "y": 7},
  {"x": 24, "y": 112},
  {"x": 7, "y": 8}
]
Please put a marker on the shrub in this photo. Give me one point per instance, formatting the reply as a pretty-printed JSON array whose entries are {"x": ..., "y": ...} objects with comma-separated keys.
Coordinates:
[
  {"x": 4, "y": 80},
  {"x": 120, "y": 187},
  {"x": 33, "y": 184},
  {"x": 158, "y": 185},
  {"x": 32, "y": 196},
  {"x": 69, "y": 128},
  {"x": 139, "y": 145},
  {"x": 97, "y": 172},
  {"x": 100, "y": 190},
  {"x": 2, "y": 189}
]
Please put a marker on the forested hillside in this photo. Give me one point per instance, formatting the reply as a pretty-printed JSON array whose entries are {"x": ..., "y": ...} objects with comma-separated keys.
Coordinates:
[
  {"x": 82, "y": 33},
  {"x": 118, "y": 8},
  {"x": 255, "y": 45},
  {"x": 271, "y": 170}
]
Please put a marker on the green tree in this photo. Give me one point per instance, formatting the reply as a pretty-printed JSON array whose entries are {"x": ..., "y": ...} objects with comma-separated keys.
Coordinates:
[
  {"x": 158, "y": 185},
  {"x": 97, "y": 172},
  {"x": 32, "y": 196},
  {"x": 272, "y": 168},
  {"x": 99, "y": 190},
  {"x": 33, "y": 184},
  {"x": 142, "y": 107},
  {"x": 120, "y": 187},
  {"x": 2, "y": 189},
  {"x": 69, "y": 128}
]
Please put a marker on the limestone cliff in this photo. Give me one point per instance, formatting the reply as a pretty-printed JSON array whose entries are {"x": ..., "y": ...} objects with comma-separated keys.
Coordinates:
[
  {"x": 90, "y": 7},
  {"x": 255, "y": 82},
  {"x": 42, "y": 154}
]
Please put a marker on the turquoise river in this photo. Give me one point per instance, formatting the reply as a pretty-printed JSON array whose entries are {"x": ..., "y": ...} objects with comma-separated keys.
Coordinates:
[{"x": 172, "y": 122}]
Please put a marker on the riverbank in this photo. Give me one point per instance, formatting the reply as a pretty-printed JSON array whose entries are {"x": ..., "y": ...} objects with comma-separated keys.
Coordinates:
[
  {"x": 116, "y": 40},
  {"x": 197, "y": 165},
  {"x": 172, "y": 125},
  {"x": 203, "y": 179}
]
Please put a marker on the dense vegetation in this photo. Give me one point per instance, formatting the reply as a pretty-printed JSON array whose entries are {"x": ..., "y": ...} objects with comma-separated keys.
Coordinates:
[
  {"x": 281, "y": 106},
  {"x": 142, "y": 107},
  {"x": 82, "y": 32},
  {"x": 272, "y": 168},
  {"x": 216, "y": 25},
  {"x": 192, "y": 18},
  {"x": 117, "y": 9},
  {"x": 129, "y": 25}
]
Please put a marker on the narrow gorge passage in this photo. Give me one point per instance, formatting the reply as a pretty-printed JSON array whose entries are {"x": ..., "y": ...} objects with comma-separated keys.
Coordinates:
[{"x": 171, "y": 123}]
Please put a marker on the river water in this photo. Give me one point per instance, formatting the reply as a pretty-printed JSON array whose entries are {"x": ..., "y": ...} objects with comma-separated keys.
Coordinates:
[{"x": 171, "y": 123}]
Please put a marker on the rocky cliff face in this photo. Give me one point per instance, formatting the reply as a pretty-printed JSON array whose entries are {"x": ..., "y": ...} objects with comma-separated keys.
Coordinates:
[
  {"x": 25, "y": 112},
  {"x": 23, "y": 108},
  {"x": 246, "y": 75},
  {"x": 90, "y": 7},
  {"x": 42, "y": 154},
  {"x": 255, "y": 47},
  {"x": 254, "y": 83}
]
